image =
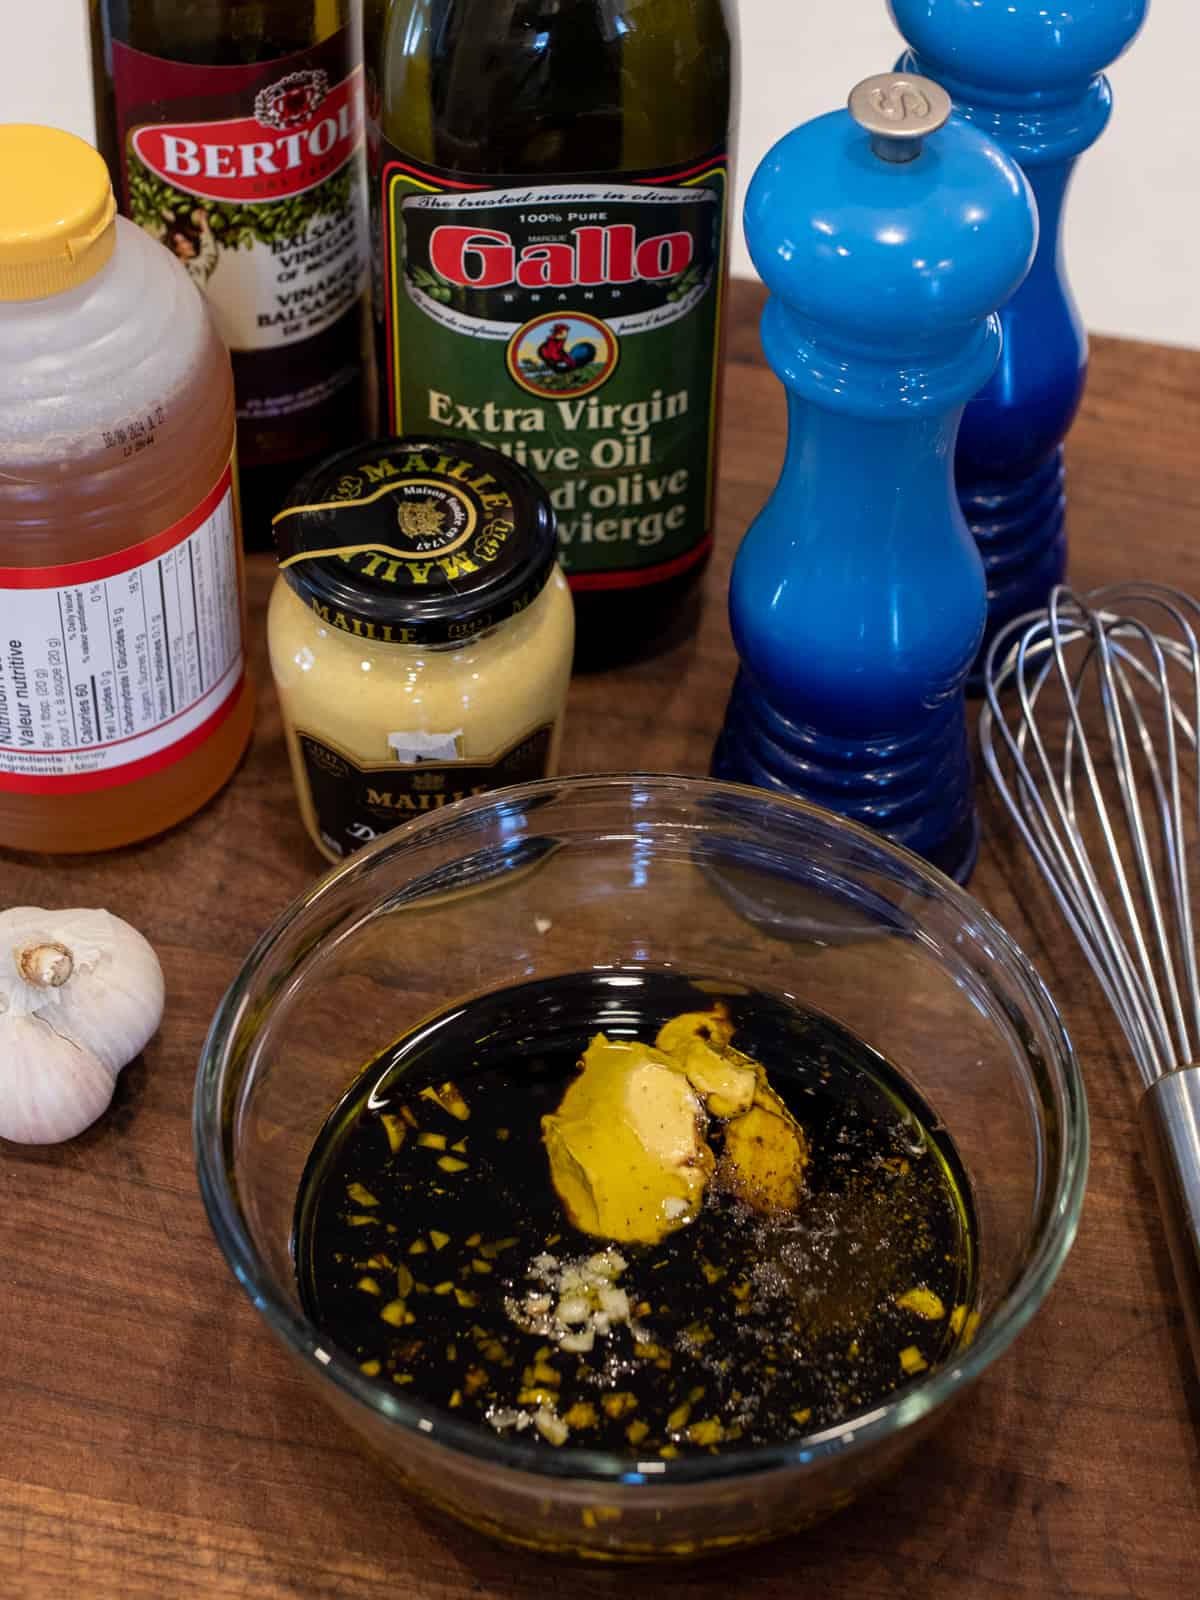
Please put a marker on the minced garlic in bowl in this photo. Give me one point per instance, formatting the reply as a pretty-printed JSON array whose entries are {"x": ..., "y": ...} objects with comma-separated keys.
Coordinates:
[{"x": 420, "y": 634}]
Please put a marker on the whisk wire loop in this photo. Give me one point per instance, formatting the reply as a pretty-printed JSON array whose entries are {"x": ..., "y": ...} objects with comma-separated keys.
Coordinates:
[
  {"x": 1128, "y": 902},
  {"x": 1184, "y": 653},
  {"x": 1107, "y": 800},
  {"x": 1063, "y": 874},
  {"x": 1115, "y": 687}
]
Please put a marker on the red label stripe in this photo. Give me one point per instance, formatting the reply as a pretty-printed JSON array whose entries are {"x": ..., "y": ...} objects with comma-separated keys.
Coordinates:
[
  {"x": 713, "y": 164},
  {"x": 111, "y": 777},
  {"x": 435, "y": 182},
  {"x": 639, "y": 577},
  {"x": 134, "y": 555},
  {"x": 129, "y": 738}
]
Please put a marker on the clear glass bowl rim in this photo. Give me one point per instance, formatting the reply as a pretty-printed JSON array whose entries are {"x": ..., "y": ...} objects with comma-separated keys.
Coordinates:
[{"x": 859, "y": 1434}]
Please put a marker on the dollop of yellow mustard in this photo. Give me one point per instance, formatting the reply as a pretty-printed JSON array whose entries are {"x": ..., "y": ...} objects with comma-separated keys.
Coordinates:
[{"x": 629, "y": 1147}]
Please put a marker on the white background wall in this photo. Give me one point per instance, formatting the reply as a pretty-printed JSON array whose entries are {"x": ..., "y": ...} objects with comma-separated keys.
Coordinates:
[{"x": 1133, "y": 222}]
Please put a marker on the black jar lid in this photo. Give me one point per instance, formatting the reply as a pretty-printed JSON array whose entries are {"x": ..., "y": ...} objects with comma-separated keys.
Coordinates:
[{"x": 421, "y": 540}]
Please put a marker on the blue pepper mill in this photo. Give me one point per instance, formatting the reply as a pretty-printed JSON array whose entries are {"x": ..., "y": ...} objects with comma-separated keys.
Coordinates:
[
  {"x": 1030, "y": 75},
  {"x": 887, "y": 238}
]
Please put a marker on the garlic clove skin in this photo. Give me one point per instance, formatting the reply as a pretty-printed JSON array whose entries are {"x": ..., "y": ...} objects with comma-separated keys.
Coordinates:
[
  {"x": 50, "y": 1089},
  {"x": 81, "y": 993},
  {"x": 24, "y": 929},
  {"x": 116, "y": 1003}
]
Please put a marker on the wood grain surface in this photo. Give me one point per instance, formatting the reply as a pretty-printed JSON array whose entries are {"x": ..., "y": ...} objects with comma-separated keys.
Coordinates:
[{"x": 154, "y": 1440}]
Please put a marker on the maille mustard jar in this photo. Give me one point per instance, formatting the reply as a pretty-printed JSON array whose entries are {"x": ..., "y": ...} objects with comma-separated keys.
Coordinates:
[{"x": 420, "y": 633}]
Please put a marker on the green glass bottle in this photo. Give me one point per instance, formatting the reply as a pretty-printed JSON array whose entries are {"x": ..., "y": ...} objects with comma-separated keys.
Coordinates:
[
  {"x": 234, "y": 133},
  {"x": 549, "y": 213}
]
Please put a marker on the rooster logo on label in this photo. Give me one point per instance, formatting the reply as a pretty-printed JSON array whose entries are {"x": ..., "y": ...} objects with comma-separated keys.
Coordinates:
[{"x": 563, "y": 354}]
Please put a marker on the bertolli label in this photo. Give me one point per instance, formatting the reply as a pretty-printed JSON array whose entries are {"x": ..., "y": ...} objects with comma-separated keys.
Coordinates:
[
  {"x": 302, "y": 131},
  {"x": 252, "y": 176}
]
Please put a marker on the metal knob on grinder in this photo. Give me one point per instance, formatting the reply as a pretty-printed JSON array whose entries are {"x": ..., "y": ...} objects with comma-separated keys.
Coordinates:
[{"x": 899, "y": 110}]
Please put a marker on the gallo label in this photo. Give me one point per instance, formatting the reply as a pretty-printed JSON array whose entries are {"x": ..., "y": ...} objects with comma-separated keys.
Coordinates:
[
  {"x": 485, "y": 258},
  {"x": 574, "y": 326}
]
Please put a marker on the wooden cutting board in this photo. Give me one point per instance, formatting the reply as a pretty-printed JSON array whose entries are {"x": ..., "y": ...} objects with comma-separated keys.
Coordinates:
[{"x": 154, "y": 1440}]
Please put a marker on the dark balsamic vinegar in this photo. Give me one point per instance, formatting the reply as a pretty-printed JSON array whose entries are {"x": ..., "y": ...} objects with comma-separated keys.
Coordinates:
[{"x": 417, "y": 1231}]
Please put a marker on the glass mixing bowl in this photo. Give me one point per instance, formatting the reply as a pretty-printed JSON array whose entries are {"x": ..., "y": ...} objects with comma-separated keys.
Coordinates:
[{"x": 714, "y": 881}]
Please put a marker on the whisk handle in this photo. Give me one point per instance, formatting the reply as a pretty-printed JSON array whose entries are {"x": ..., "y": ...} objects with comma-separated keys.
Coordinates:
[{"x": 1170, "y": 1120}]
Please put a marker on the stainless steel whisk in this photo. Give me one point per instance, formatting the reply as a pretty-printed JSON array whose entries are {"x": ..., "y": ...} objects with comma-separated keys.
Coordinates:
[{"x": 1089, "y": 734}]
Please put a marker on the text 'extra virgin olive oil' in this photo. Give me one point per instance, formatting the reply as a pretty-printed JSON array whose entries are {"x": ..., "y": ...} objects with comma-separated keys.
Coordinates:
[
  {"x": 433, "y": 1246},
  {"x": 234, "y": 133},
  {"x": 550, "y": 213}
]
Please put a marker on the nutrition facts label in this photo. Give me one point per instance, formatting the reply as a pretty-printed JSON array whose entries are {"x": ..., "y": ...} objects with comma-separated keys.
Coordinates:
[{"x": 113, "y": 668}]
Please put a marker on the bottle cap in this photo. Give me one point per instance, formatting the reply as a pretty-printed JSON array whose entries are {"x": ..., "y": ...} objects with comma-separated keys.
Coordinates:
[
  {"x": 57, "y": 216},
  {"x": 417, "y": 541}
]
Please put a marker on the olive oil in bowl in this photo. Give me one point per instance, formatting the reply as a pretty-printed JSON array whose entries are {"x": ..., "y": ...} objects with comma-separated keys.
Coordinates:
[{"x": 433, "y": 1244}]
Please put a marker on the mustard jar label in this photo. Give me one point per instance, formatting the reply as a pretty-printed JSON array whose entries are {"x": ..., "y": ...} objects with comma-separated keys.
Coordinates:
[{"x": 354, "y": 804}]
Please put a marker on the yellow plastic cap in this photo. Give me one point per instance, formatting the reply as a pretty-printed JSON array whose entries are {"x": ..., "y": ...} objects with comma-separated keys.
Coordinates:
[{"x": 57, "y": 212}]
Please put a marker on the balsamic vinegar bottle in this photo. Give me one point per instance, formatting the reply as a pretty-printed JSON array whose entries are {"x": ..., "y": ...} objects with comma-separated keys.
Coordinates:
[
  {"x": 233, "y": 130},
  {"x": 549, "y": 213}
]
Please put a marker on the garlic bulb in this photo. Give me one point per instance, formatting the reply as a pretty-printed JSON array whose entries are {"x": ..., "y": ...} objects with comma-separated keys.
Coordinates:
[{"x": 81, "y": 992}]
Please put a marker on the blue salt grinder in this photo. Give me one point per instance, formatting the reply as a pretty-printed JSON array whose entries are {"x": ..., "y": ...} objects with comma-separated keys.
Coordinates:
[
  {"x": 1029, "y": 74},
  {"x": 887, "y": 236}
]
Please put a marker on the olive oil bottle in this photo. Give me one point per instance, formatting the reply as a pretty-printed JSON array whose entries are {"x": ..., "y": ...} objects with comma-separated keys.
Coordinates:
[
  {"x": 549, "y": 212},
  {"x": 233, "y": 130}
]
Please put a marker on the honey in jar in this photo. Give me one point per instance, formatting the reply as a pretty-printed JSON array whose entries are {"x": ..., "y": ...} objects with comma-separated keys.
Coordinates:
[{"x": 124, "y": 702}]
